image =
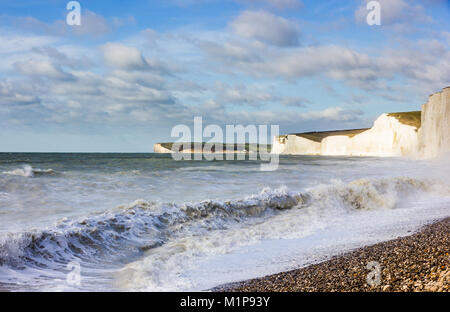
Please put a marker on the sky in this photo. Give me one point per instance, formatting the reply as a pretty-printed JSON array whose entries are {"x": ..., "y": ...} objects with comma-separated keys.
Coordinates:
[{"x": 133, "y": 70}]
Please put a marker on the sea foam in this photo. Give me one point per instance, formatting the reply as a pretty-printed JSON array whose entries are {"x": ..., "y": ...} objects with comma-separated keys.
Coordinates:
[
  {"x": 127, "y": 231},
  {"x": 28, "y": 171}
]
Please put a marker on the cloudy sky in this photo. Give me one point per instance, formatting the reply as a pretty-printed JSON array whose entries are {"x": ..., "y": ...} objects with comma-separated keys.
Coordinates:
[{"x": 132, "y": 70}]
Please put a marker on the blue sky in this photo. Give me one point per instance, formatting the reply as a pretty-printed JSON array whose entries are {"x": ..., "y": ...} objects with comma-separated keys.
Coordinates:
[{"x": 132, "y": 70}]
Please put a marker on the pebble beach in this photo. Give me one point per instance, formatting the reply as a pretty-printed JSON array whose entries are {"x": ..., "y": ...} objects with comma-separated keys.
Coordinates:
[{"x": 415, "y": 263}]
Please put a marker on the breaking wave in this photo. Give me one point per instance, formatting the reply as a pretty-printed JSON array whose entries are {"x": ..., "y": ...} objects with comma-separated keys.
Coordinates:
[
  {"x": 126, "y": 231},
  {"x": 28, "y": 171}
]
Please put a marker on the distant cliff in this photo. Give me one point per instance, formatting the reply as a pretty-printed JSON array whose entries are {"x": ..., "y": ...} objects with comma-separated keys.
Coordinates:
[
  {"x": 391, "y": 135},
  {"x": 210, "y": 148},
  {"x": 161, "y": 148},
  {"x": 423, "y": 133}
]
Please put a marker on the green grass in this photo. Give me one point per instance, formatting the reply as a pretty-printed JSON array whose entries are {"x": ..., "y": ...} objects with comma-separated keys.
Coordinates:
[
  {"x": 318, "y": 136},
  {"x": 409, "y": 118}
]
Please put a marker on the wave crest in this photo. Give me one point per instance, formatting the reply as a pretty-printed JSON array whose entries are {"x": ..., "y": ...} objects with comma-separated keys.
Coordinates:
[
  {"x": 368, "y": 194},
  {"x": 128, "y": 230},
  {"x": 28, "y": 171}
]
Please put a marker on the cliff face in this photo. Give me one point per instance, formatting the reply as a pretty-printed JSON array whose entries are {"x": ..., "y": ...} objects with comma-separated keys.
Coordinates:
[
  {"x": 434, "y": 135},
  {"x": 158, "y": 148},
  {"x": 295, "y": 145},
  {"x": 424, "y": 134},
  {"x": 389, "y": 136}
]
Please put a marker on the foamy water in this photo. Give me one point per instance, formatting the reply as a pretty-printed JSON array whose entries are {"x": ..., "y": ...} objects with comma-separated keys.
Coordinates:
[{"x": 146, "y": 222}]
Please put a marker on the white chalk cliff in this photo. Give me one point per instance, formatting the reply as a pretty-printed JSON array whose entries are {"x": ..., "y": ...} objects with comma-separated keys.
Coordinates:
[
  {"x": 159, "y": 148},
  {"x": 434, "y": 135},
  {"x": 423, "y": 134}
]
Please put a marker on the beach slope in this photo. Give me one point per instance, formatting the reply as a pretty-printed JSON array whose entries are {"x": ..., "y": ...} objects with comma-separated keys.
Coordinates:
[{"x": 419, "y": 262}]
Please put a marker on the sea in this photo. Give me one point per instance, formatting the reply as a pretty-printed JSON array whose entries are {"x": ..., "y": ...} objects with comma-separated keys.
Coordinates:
[{"x": 146, "y": 222}]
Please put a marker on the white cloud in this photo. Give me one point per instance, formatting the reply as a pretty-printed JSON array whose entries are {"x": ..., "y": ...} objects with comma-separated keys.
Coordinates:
[
  {"x": 140, "y": 89},
  {"x": 15, "y": 94},
  {"x": 233, "y": 53},
  {"x": 62, "y": 59},
  {"x": 266, "y": 27},
  {"x": 120, "y": 22},
  {"x": 418, "y": 62},
  {"x": 42, "y": 69},
  {"x": 253, "y": 95},
  {"x": 296, "y": 101},
  {"x": 241, "y": 94},
  {"x": 395, "y": 12},
  {"x": 91, "y": 24},
  {"x": 34, "y": 25},
  {"x": 324, "y": 119},
  {"x": 333, "y": 113},
  {"x": 122, "y": 56},
  {"x": 334, "y": 60},
  {"x": 15, "y": 43},
  {"x": 278, "y": 4},
  {"x": 284, "y": 4}
]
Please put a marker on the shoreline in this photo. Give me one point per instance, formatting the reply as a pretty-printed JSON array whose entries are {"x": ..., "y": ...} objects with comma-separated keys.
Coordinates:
[{"x": 418, "y": 262}]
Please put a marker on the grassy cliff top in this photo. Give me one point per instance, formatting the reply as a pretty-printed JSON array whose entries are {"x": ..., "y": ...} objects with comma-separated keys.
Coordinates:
[
  {"x": 318, "y": 136},
  {"x": 409, "y": 118}
]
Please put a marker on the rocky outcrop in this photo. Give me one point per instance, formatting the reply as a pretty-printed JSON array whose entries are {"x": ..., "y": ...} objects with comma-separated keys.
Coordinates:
[{"x": 434, "y": 135}]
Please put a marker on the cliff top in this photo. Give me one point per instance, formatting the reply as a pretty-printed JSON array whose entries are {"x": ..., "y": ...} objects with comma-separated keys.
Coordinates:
[
  {"x": 413, "y": 119},
  {"x": 318, "y": 136}
]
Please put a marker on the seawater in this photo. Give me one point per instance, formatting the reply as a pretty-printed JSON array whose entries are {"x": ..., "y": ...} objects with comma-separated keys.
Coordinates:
[{"x": 145, "y": 222}]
